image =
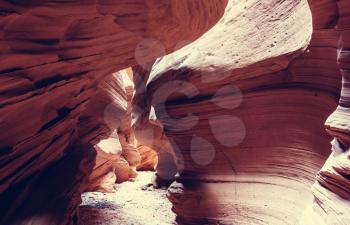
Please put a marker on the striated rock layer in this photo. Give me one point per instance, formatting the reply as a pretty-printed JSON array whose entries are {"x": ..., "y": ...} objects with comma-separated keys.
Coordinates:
[
  {"x": 238, "y": 113},
  {"x": 57, "y": 58},
  {"x": 108, "y": 110},
  {"x": 149, "y": 158},
  {"x": 50, "y": 196},
  {"x": 244, "y": 108},
  {"x": 332, "y": 189}
]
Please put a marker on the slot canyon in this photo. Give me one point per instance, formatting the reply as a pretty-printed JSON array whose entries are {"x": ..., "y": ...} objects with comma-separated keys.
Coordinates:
[{"x": 232, "y": 112}]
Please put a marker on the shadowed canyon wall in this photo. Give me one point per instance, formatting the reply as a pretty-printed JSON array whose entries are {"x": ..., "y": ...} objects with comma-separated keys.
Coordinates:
[
  {"x": 236, "y": 113},
  {"x": 56, "y": 83},
  {"x": 331, "y": 191}
]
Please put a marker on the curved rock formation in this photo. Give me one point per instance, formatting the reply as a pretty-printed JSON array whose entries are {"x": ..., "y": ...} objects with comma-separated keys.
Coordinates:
[
  {"x": 149, "y": 131},
  {"x": 244, "y": 108},
  {"x": 236, "y": 116},
  {"x": 149, "y": 158},
  {"x": 54, "y": 54},
  {"x": 332, "y": 189},
  {"x": 50, "y": 196}
]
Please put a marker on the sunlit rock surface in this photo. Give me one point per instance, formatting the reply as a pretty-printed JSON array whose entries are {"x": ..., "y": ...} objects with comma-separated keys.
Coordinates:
[
  {"x": 149, "y": 158},
  {"x": 149, "y": 131},
  {"x": 244, "y": 107},
  {"x": 332, "y": 189},
  {"x": 236, "y": 117}
]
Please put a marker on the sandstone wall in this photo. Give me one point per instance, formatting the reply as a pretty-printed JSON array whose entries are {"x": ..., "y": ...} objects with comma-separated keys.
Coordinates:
[
  {"x": 54, "y": 55},
  {"x": 244, "y": 107}
]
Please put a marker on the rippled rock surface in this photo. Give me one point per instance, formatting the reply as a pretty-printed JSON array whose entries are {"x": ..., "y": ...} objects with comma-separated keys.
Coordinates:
[
  {"x": 57, "y": 59},
  {"x": 244, "y": 108}
]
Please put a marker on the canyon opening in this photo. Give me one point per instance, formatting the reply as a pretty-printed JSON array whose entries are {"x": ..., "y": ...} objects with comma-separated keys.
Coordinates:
[{"x": 145, "y": 112}]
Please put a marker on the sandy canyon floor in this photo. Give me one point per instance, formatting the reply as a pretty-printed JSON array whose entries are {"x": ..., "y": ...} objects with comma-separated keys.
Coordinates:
[{"x": 132, "y": 204}]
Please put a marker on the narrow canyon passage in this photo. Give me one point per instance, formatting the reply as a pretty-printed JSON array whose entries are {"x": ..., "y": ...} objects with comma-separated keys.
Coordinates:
[{"x": 187, "y": 112}]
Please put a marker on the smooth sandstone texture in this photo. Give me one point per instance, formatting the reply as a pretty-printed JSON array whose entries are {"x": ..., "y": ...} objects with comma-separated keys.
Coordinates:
[
  {"x": 244, "y": 108},
  {"x": 57, "y": 58},
  {"x": 110, "y": 111},
  {"x": 238, "y": 113},
  {"x": 149, "y": 131},
  {"x": 149, "y": 158}
]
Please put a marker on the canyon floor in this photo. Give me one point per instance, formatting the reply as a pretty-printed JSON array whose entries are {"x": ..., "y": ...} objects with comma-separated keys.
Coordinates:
[{"x": 133, "y": 204}]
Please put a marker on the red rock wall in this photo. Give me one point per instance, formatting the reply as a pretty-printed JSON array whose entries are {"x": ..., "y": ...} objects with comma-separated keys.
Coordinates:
[
  {"x": 110, "y": 110},
  {"x": 332, "y": 190},
  {"x": 244, "y": 107},
  {"x": 149, "y": 158},
  {"x": 149, "y": 131},
  {"x": 52, "y": 195},
  {"x": 239, "y": 113},
  {"x": 54, "y": 55}
]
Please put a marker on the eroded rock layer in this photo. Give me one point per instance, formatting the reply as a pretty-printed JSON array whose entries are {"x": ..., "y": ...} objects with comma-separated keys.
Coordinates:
[
  {"x": 244, "y": 108},
  {"x": 149, "y": 131},
  {"x": 50, "y": 196},
  {"x": 110, "y": 110},
  {"x": 149, "y": 158},
  {"x": 332, "y": 189},
  {"x": 238, "y": 113},
  {"x": 57, "y": 58}
]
